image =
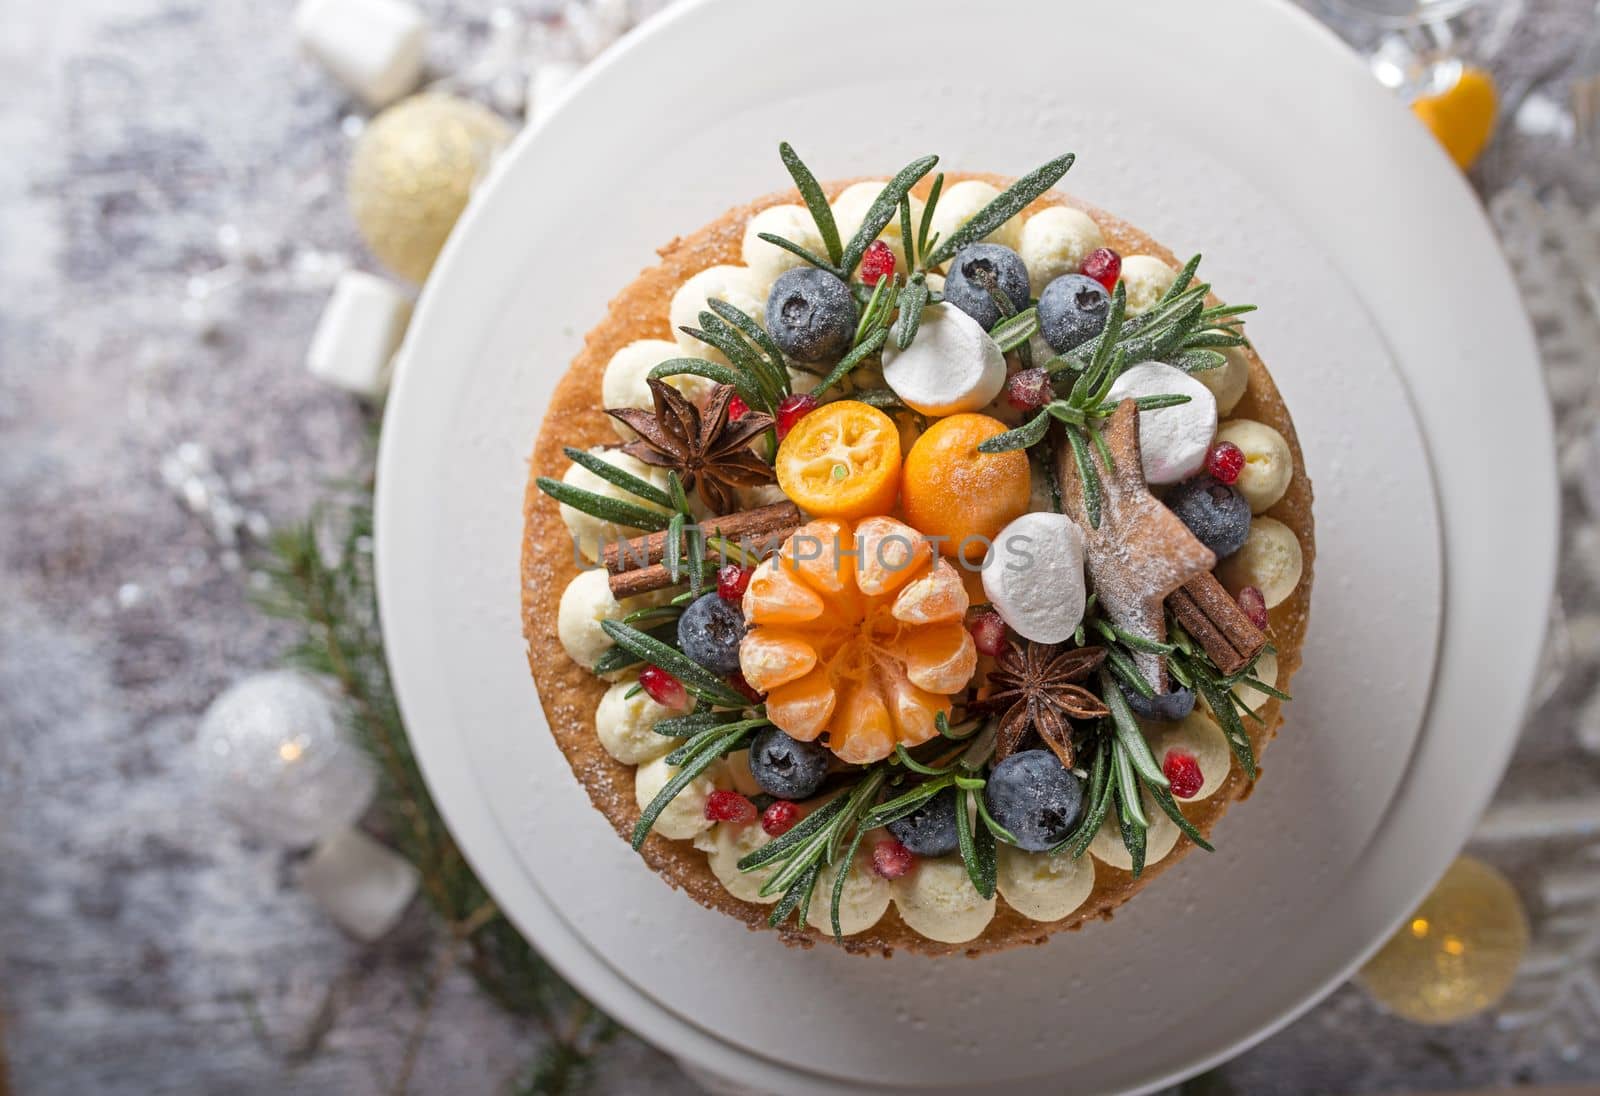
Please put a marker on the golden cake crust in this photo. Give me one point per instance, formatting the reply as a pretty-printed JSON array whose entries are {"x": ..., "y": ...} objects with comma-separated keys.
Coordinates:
[{"x": 570, "y": 694}]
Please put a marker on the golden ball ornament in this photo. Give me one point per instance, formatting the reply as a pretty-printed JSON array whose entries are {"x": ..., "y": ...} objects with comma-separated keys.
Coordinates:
[
  {"x": 1457, "y": 954},
  {"x": 413, "y": 170}
]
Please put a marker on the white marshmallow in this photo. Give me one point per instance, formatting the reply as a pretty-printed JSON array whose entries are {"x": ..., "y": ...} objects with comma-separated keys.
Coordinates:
[
  {"x": 792, "y": 222},
  {"x": 850, "y": 209},
  {"x": 372, "y": 47},
  {"x": 685, "y": 816},
  {"x": 960, "y": 202},
  {"x": 1228, "y": 382},
  {"x": 1146, "y": 279},
  {"x": 623, "y": 384},
  {"x": 624, "y": 724},
  {"x": 1054, "y": 242},
  {"x": 1033, "y": 576},
  {"x": 862, "y": 903},
  {"x": 590, "y": 533},
  {"x": 1270, "y": 560},
  {"x": 1199, "y": 735},
  {"x": 937, "y": 899},
  {"x": 1173, "y": 441},
  {"x": 1041, "y": 886},
  {"x": 363, "y": 885},
  {"x": 355, "y": 340},
  {"x": 952, "y": 365},
  {"x": 736, "y": 285},
  {"x": 1106, "y": 846},
  {"x": 1268, "y": 463}
]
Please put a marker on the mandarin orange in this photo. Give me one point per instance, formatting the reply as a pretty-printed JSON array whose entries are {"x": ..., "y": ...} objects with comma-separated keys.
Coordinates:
[{"x": 960, "y": 497}]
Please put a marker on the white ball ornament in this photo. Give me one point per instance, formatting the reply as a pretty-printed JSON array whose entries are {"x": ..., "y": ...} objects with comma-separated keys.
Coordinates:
[
  {"x": 276, "y": 757},
  {"x": 1173, "y": 441}
]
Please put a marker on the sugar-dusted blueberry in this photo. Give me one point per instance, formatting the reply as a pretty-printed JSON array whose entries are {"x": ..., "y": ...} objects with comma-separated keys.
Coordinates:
[
  {"x": 977, "y": 272},
  {"x": 1215, "y": 513},
  {"x": 1167, "y": 707},
  {"x": 930, "y": 830},
  {"x": 811, "y": 315},
  {"x": 1072, "y": 310},
  {"x": 786, "y": 767},
  {"x": 1036, "y": 798},
  {"x": 709, "y": 632}
]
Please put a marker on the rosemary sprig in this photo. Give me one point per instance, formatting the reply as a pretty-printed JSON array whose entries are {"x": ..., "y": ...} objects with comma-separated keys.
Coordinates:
[
  {"x": 1006, "y": 205},
  {"x": 605, "y": 507},
  {"x": 816, "y": 201},
  {"x": 696, "y": 678},
  {"x": 882, "y": 210}
]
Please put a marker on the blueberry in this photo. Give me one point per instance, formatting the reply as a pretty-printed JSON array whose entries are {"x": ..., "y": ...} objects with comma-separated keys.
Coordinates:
[
  {"x": 709, "y": 632},
  {"x": 786, "y": 767},
  {"x": 930, "y": 830},
  {"x": 1166, "y": 707},
  {"x": 811, "y": 315},
  {"x": 1036, "y": 798},
  {"x": 1072, "y": 310},
  {"x": 1214, "y": 512},
  {"x": 975, "y": 268}
]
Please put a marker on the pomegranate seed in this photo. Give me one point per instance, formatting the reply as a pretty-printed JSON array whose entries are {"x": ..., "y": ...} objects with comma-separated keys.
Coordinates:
[
  {"x": 1028, "y": 389},
  {"x": 877, "y": 263},
  {"x": 729, "y": 806},
  {"x": 779, "y": 818},
  {"x": 1183, "y": 773},
  {"x": 732, "y": 580},
  {"x": 1103, "y": 265},
  {"x": 988, "y": 632},
  {"x": 891, "y": 859},
  {"x": 1225, "y": 462},
  {"x": 663, "y": 688},
  {"x": 792, "y": 410},
  {"x": 737, "y": 409},
  {"x": 1254, "y": 606},
  {"x": 744, "y": 688}
]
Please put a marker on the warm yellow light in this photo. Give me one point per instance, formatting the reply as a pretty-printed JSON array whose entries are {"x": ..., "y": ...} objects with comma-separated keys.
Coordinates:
[
  {"x": 291, "y": 751},
  {"x": 1453, "y": 945},
  {"x": 1419, "y": 927}
]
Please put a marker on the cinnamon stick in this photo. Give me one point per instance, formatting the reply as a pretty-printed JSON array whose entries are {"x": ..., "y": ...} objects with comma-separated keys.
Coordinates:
[
  {"x": 644, "y": 580},
  {"x": 1210, "y": 614},
  {"x": 776, "y": 521}
]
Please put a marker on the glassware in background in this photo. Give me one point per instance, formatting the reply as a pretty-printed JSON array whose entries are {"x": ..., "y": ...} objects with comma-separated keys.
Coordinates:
[{"x": 1413, "y": 46}]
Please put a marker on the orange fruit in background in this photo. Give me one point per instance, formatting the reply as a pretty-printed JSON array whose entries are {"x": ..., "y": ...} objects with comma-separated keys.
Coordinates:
[
  {"x": 948, "y": 489},
  {"x": 857, "y": 632},
  {"x": 841, "y": 461},
  {"x": 1462, "y": 118}
]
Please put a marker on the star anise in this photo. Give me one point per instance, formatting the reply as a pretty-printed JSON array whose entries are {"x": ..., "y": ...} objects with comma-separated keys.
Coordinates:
[
  {"x": 710, "y": 454},
  {"x": 1036, "y": 684}
]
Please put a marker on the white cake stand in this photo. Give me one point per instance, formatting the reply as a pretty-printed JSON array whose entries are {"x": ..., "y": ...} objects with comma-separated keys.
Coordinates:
[{"x": 1240, "y": 128}]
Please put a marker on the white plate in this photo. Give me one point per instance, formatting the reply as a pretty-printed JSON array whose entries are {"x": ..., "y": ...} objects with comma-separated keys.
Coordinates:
[{"x": 1314, "y": 196}]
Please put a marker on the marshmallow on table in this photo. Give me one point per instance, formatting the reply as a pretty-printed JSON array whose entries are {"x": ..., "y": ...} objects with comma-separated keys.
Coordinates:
[
  {"x": 951, "y": 366},
  {"x": 1173, "y": 441},
  {"x": 355, "y": 340},
  {"x": 1033, "y": 576},
  {"x": 960, "y": 202},
  {"x": 1054, "y": 242},
  {"x": 372, "y": 47},
  {"x": 362, "y": 885},
  {"x": 1146, "y": 280},
  {"x": 1270, "y": 560},
  {"x": 1268, "y": 464}
]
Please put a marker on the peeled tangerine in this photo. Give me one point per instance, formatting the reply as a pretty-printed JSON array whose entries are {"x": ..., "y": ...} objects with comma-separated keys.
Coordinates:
[{"x": 856, "y": 633}]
